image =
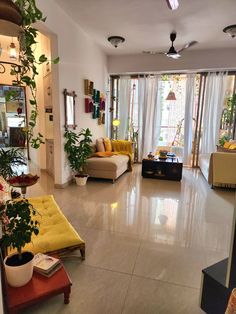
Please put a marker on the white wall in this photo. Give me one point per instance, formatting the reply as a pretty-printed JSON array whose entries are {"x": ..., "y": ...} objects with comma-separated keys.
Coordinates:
[
  {"x": 80, "y": 58},
  {"x": 190, "y": 60}
]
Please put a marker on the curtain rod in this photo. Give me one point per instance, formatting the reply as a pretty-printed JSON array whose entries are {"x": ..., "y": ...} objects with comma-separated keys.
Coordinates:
[{"x": 136, "y": 75}]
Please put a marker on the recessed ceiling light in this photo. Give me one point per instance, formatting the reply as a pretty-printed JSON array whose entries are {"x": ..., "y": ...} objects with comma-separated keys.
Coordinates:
[
  {"x": 173, "y": 4},
  {"x": 230, "y": 30}
]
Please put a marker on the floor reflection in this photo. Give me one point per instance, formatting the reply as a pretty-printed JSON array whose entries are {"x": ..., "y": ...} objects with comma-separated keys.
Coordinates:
[{"x": 154, "y": 231}]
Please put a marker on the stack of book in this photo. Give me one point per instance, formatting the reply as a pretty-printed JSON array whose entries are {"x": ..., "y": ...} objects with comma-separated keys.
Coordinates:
[{"x": 46, "y": 265}]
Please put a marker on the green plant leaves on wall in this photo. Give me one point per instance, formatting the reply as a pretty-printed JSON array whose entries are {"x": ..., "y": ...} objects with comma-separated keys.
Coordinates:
[{"x": 26, "y": 71}]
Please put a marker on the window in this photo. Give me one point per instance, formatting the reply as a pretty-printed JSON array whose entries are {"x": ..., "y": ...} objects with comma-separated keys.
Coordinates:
[{"x": 228, "y": 116}]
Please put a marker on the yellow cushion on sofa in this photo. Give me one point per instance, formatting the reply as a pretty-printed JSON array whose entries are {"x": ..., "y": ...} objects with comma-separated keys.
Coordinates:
[
  {"x": 227, "y": 144},
  {"x": 55, "y": 232},
  {"x": 107, "y": 143},
  {"x": 104, "y": 154}
]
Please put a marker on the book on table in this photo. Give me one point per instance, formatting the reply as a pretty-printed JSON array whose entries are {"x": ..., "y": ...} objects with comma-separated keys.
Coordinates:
[
  {"x": 51, "y": 272},
  {"x": 46, "y": 265}
]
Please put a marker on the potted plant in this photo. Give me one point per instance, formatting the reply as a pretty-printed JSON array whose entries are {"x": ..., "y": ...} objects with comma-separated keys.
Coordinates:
[
  {"x": 10, "y": 159},
  {"x": 18, "y": 227},
  {"x": 78, "y": 149}
]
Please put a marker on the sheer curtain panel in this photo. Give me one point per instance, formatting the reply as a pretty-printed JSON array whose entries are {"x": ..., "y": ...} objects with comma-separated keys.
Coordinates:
[
  {"x": 149, "y": 115},
  {"x": 188, "y": 118},
  {"x": 212, "y": 108},
  {"x": 124, "y": 105}
]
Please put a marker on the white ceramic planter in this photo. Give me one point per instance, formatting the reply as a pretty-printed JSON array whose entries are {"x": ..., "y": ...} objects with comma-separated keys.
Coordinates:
[
  {"x": 18, "y": 276},
  {"x": 81, "y": 181}
]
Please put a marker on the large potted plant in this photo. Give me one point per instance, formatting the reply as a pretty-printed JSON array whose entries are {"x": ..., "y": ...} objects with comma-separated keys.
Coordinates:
[
  {"x": 18, "y": 227},
  {"x": 10, "y": 159},
  {"x": 78, "y": 149}
]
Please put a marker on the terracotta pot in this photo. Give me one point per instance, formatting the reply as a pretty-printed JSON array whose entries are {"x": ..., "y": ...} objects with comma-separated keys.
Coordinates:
[{"x": 18, "y": 276}]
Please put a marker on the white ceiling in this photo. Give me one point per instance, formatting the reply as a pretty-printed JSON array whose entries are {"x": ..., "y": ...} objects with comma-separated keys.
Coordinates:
[{"x": 146, "y": 24}]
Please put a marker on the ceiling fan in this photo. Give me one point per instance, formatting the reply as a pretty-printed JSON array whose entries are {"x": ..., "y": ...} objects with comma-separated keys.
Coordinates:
[{"x": 173, "y": 53}]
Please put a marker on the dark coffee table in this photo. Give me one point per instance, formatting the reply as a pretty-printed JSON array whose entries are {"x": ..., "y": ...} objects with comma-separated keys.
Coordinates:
[{"x": 163, "y": 169}]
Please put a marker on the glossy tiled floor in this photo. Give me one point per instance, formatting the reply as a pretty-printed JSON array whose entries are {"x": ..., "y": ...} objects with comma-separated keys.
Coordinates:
[{"x": 146, "y": 242}]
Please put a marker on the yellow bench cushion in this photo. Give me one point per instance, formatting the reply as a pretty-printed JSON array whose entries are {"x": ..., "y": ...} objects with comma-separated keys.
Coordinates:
[{"x": 55, "y": 232}]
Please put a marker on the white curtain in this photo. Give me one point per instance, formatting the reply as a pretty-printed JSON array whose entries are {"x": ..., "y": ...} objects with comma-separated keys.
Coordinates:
[
  {"x": 216, "y": 84},
  {"x": 149, "y": 115},
  {"x": 188, "y": 118},
  {"x": 108, "y": 120},
  {"x": 124, "y": 107}
]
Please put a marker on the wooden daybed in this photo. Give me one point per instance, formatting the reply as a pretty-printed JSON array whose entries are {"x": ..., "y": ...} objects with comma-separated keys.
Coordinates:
[{"x": 56, "y": 234}]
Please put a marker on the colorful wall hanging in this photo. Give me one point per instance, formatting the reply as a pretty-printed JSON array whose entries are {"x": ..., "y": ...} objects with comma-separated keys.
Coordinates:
[
  {"x": 88, "y": 87},
  {"x": 94, "y": 102},
  {"x": 88, "y": 105}
]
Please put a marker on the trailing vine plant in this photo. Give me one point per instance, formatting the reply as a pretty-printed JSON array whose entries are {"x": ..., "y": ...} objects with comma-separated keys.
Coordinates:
[{"x": 25, "y": 73}]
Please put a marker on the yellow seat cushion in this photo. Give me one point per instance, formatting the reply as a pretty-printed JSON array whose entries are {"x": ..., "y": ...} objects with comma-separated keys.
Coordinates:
[{"x": 55, "y": 232}]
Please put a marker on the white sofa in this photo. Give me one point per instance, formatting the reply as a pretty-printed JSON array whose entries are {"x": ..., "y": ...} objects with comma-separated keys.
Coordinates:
[
  {"x": 219, "y": 168},
  {"x": 107, "y": 167}
]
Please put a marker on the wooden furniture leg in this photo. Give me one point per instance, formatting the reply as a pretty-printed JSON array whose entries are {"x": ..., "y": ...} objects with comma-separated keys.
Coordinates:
[
  {"x": 67, "y": 295},
  {"x": 82, "y": 252}
]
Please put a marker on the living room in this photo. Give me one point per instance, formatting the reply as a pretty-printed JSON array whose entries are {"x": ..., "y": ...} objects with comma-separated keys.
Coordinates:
[{"x": 145, "y": 238}]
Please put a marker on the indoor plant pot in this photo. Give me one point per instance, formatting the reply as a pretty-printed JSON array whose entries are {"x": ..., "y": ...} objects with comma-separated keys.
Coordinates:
[
  {"x": 19, "y": 272},
  {"x": 18, "y": 227},
  {"x": 78, "y": 149},
  {"x": 81, "y": 179}
]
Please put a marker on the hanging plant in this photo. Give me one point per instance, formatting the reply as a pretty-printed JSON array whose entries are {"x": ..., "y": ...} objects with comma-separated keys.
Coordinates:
[{"x": 25, "y": 73}]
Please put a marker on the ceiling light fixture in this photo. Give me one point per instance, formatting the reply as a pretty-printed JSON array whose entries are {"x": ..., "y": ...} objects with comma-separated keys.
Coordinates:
[
  {"x": 115, "y": 40},
  {"x": 10, "y": 19},
  {"x": 230, "y": 30},
  {"x": 173, "y": 4}
]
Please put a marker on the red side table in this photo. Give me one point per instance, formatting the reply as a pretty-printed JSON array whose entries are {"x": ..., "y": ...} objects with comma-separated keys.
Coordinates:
[{"x": 38, "y": 289}]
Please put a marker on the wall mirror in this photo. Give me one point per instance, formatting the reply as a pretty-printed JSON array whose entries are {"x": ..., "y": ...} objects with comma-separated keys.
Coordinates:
[
  {"x": 13, "y": 116},
  {"x": 69, "y": 102}
]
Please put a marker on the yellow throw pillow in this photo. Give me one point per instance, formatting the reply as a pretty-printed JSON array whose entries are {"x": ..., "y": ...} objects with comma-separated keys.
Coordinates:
[
  {"x": 232, "y": 146},
  {"x": 104, "y": 154},
  {"x": 107, "y": 143},
  {"x": 227, "y": 144}
]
